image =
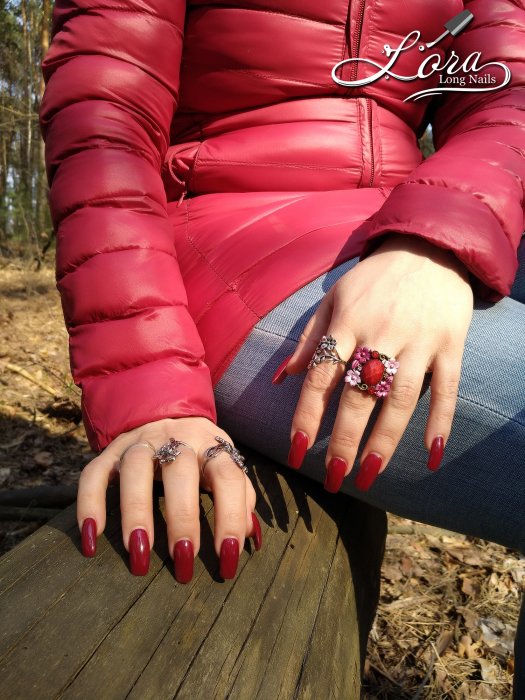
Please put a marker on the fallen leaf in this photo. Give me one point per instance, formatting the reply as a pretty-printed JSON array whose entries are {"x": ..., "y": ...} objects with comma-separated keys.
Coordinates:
[
  {"x": 470, "y": 617},
  {"x": 443, "y": 641},
  {"x": 467, "y": 649},
  {"x": 489, "y": 672},
  {"x": 470, "y": 587},
  {"x": 43, "y": 459},
  {"x": 392, "y": 572},
  {"x": 407, "y": 565},
  {"x": 498, "y": 636}
]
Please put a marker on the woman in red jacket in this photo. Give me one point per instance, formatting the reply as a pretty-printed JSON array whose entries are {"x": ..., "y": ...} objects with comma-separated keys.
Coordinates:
[{"x": 231, "y": 184}]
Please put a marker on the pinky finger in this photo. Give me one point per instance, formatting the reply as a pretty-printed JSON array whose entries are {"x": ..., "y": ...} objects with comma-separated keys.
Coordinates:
[
  {"x": 91, "y": 500},
  {"x": 443, "y": 400}
]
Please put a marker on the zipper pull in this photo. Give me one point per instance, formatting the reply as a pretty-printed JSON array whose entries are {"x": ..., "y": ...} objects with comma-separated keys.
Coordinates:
[{"x": 184, "y": 193}]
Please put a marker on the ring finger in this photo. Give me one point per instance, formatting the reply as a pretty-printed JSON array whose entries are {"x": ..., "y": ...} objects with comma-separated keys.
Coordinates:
[
  {"x": 228, "y": 484},
  {"x": 353, "y": 413}
]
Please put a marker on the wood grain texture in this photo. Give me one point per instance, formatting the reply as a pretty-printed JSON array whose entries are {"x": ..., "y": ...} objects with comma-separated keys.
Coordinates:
[{"x": 292, "y": 624}]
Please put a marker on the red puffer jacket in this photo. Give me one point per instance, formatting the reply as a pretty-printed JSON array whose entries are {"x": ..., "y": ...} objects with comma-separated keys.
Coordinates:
[{"x": 203, "y": 165}]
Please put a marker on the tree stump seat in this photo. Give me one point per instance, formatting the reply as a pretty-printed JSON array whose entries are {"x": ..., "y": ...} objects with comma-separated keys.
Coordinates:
[{"x": 293, "y": 623}]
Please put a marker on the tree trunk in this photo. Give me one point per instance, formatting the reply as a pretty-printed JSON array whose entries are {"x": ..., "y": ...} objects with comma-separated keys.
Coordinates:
[{"x": 42, "y": 188}]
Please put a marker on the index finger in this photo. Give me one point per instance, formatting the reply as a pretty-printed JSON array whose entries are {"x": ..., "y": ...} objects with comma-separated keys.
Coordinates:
[{"x": 325, "y": 369}]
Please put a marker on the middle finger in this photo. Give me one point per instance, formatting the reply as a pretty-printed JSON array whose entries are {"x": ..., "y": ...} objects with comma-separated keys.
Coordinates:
[
  {"x": 391, "y": 423},
  {"x": 181, "y": 498},
  {"x": 136, "y": 506}
]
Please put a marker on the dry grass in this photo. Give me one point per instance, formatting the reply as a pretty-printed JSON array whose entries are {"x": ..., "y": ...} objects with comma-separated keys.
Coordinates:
[{"x": 449, "y": 604}]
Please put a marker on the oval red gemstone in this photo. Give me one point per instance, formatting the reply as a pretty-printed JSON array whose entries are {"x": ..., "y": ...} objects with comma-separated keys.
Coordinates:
[{"x": 372, "y": 372}]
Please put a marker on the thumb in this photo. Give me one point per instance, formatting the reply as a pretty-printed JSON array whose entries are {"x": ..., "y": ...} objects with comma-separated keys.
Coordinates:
[{"x": 312, "y": 333}]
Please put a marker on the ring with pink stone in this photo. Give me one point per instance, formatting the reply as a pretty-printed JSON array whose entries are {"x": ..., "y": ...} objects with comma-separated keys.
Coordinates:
[{"x": 371, "y": 371}]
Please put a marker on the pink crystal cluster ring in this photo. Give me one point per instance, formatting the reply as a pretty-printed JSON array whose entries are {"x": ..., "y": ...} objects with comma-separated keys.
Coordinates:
[{"x": 371, "y": 371}]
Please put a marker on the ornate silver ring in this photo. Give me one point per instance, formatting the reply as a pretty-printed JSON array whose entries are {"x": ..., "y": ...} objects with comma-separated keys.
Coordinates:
[
  {"x": 224, "y": 446},
  {"x": 325, "y": 351},
  {"x": 169, "y": 451}
]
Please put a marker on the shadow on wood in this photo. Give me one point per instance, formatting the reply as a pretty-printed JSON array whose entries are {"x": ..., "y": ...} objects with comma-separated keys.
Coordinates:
[{"x": 293, "y": 623}]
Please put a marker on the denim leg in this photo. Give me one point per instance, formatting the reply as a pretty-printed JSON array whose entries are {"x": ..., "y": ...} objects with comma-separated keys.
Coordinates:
[{"x": 480, "y": 488}]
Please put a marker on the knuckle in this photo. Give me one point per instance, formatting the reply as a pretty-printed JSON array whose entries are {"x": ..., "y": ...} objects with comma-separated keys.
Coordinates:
[
  {"x": 135, "y": 505},
  {"x": 354, "y": 400},
  {"x": 404, "y": 393},
  {"x": 344, "y": 442},
  {"x": 303, "y": 417},
  {"x": 447, "y": 390},
  {"x": 235, "y": 515},
  {"x": 185, "y": 515},
  {"x": 387, "y": 438},
  {"x": 225, "y": 471},
  {"x": 443, "y": 413},
  {"x": 319, "y": 378}
]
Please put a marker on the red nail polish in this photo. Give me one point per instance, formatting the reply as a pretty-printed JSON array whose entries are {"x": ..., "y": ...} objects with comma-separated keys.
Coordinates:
[
  {"x": 89, "y": 537},
  {"x": 280, "y": 373},
  {"x": 257, "y": 535},
  {"x": 183, "y": 560},
  {"x": 139, "y": 552},
  {"x": 368, "y": 471},
  {"x": 335, "y": 474},
  {"x": 436, "y": 453},
  {"x": 297, "y": 449},
  {"x": 229, "y": 557}
]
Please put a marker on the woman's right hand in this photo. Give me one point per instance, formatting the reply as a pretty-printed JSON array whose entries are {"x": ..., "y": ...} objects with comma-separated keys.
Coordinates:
[{"x": 233, "y": 496}]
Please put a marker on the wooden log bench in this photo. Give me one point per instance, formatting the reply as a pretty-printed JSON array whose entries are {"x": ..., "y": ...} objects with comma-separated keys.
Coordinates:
[{"x": 293, "y": 623}]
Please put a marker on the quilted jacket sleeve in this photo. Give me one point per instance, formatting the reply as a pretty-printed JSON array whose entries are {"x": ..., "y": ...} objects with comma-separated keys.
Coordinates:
[
  {"x": 112, "y": 79},
  {"x": 468, "y": 196}
]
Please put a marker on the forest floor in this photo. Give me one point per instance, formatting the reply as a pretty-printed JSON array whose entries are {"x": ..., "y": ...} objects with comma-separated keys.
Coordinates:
[{"x": 449, "y": 604}]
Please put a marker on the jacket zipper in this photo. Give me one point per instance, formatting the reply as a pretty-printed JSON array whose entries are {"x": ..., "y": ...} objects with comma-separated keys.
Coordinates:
[
  {"x": 356, "y": 46},
  {"x": 356, "y": 43},
  {"x": 371, "y": 137}
]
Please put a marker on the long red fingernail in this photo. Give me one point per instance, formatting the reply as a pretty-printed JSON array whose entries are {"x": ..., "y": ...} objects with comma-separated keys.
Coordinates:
[
  {"x": 368, "y": 471},
  {"x": 89, "y": 537},
  {"x": 183, "y": 560},
  {"x": 139, "y": 552},
  {"x": 280, "y": 373},
  {"x": 229, "y": 557},
  {"x": 297, "y": 449},
  {"x": 257, "y": 535},
  {"x": 436, "y": 453},
  {"x": 335, "y": 474}
]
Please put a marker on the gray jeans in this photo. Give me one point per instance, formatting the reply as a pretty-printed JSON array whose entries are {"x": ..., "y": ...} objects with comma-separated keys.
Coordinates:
[{"x": 480, "y": 487}]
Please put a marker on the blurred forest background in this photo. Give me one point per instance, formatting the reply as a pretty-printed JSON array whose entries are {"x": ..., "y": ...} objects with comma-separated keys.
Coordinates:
[
  {"x": 25, "y": 225},
  {"x": 449, "y": 604}
]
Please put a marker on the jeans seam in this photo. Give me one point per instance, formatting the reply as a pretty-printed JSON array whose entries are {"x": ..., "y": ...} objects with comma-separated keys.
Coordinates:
[{"x": 491, "y": 410}]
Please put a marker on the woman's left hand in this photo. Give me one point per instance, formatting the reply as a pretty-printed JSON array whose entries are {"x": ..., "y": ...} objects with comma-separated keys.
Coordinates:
[{"x": 410, "y": 300}]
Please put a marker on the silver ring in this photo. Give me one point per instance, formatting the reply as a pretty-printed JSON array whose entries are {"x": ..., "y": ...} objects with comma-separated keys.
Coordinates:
[
  {"x": 325, "y": 351},
  {"x": 224, "y": 446},
  {"x": 169, "y": 452},
  {"x": 144, "y": 444}
]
